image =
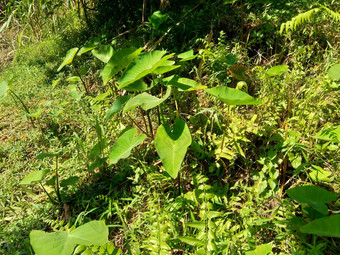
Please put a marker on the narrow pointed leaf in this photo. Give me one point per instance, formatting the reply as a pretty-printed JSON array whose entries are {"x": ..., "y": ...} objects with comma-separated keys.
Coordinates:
[
  {"x": 186, "y": 56},
  {"x": 92, "y": 233},
  {"x": 146, "y": 101},
  {"x": 232, "y": 96},
  {"x": 119, "y": 60},
  {"x": 124, "y": 144},
  {"x": 69, "y": 58},
  {"x": 172, "y": 146},
  {"x": 326, "y": 226},
  {"x": 104, "y": 53},
  {"x": 90, "y": 45}
]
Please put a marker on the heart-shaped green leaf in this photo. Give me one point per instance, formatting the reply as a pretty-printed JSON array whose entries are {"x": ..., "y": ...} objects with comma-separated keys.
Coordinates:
[
  {"x": 326, "y": 226},
  {"x": 104, "y": 53},
  {"x": 124, "y": 144},
  {"x": 119, "y": 60},
  {"x": 146, "y": 101},
  {"x": 90, "y": 45},
  {"x": 315, "y": 196},
  {"x": 70, "y": 54},
  {"x": 157, "y": 18},
  {"x": 3, "y": 88},
  {"x": 35, "y": 176},
  {"x": 64, "y": 242},
  {"x": 232, "y": 96},
  {"x": 334, "y": 72},
  {"x": 142, "y": 65},
  {"x": 184, "y": 84},
  {"x": 172, "y": 146},
  {"x": 278, "y": 70}
]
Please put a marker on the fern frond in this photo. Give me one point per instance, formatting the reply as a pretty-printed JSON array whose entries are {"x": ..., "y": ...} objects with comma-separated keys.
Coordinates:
[{"x": 305, "y": 17}]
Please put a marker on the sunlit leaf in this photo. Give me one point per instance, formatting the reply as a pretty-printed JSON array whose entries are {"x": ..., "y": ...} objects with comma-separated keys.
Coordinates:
[
  {"x": 172, "y": 145},
  {"x": 157, "y": 18},
  {"x": 119, "y": 60},
  {"x": 146, "y": 101},
  {"x": 191, "y": 241},
  {"x": 318, "y": 174},
  {"x": 64, "y": 242},
  {"x": 35, "y": 176},
  {"x": 3, "y": 88},
  {"x": 186, "y": 56},
  {"x": 124, "y": 144},
  {"x": 262, "y": 249},
  {"x": 278, "y": 70},
  {"x": 90, "y": 45},
  {"x": 104, "y": 53},
  {"x": 141, "y": 66},
  {"x": 334, "y": 72},
  {"x": 117, "y": 106},
  {"x": 184, "y": 84},
  {"x": 70, "y": 54},
  {"x": 232, "y": 96}
]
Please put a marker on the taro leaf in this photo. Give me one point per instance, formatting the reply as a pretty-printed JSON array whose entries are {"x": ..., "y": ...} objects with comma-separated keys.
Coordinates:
[
  {"x": 74, "y": 93},
  {"x": 3, "y": 88},
  {"x": 117, "y": 106},
  {"x": 172, "y": 146},
  {"x": 191, "y": 241},
  {"x": 124, "y": 144},
  {"x": 64, "y": 242},
  {"x": 146, "y": 101},
  {"x": 138, "y": 85},
  {"x": 90, "y": 45},
  {"x": 315, "y": 196},
  {"x": 35, "y": 176},
  {"x": 184, "y": 84},
  {"x": 318, "y": 174},
  {"x": 104, "y": 53},
  {"x": 69, "y": 181},
  {"x": 186, "y": 56},
  {"x": 262, "y": 249},
  {"x": 70, "y": 54},
  {"x": 157, "y": 18},
  {"x": 119, "y": 60},
  {"x": 277, "y": 70},
  {"x": 142, "y": 65},
  {"x": 334, "y": 72},
  {"x": 167, "y": 66},
  {"x": 232, "y": 96},
  {"x": 326, "y": 226}
]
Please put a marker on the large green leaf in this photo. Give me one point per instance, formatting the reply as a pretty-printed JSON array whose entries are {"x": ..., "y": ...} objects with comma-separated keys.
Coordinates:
[
  {"x": 157, "y": 18},
  {"x": 64, "y": 242},
  {"x": 142, "y": 65},
  {"x": 326, "y": 226},
  {"x": 313, "y": 195},
  {"x": 334, "y": 72},
  {"x": 124, "y": 144},
  {"x": 117, "y": 106},
  {"x": 146, "y": 101},
  {"x": 35, "y": 176},
  {"x": 167, "y": 66},
  {"x": 262, "y": 249},
  {"x": 172, "y": 146},
  {"x": 278, "y": 70},
  {"x": 104, "y": 53},
  {"x": 184, "y": 84},
  {"x": 3, "y": 88},
  {"x": 232, "y": 96},
  {"x": 90, "y": 45},
  {"x": 70, "y": 54},
  {"x": 186, "y": 56},
  {"x": 119, "y": 60}
]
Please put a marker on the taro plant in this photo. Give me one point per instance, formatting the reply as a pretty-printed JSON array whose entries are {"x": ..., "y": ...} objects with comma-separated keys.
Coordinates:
[
  {"x": 73, "y": 240},
  {"x": 39, "y": 175},
  {"x": 315, "y": 200}
]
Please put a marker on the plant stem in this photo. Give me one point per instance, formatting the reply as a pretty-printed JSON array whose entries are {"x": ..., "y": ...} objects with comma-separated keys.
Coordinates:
[
  {"x": 139, "y": 127},
  {"x": 23, "y": 105},
  {"x": 150, "y": 122},
  {"x": 82, "y": 81},
  {"x": 49, "y": 196},
  {"x": 57, "y": 176}
]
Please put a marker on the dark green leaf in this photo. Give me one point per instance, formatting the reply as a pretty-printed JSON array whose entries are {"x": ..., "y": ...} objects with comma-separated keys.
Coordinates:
[
  {"x": 35, "y": 176},
  {"x": 326, "y": 226},
  {"x": 117, "y": 106}
]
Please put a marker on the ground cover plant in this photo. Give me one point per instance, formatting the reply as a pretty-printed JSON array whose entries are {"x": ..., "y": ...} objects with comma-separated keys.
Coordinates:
[{"x": 156, "y": 131}]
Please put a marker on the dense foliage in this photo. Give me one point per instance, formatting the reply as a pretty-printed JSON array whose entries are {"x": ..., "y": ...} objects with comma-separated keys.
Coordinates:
[{"x": 169, "y": 127}]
